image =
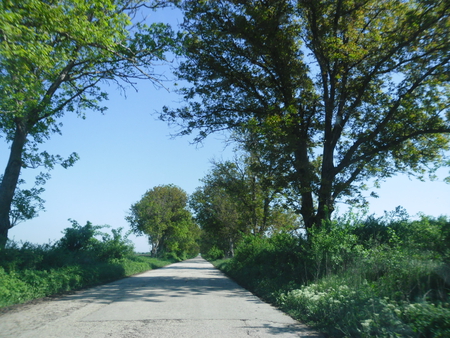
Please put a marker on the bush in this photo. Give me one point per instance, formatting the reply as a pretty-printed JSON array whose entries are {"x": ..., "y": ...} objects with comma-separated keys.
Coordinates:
[
  {"x": 267, "y": 265},
  {"x": 115, "y": 247},
  {"x": 76, "y": 261},
  {"x": 343, "y": 311},
  {"x": 81, "y": 240},
  {"x": 428, "y": 320},
  {"x": 333, "y": 248},
  {"x": 21, "y": 286},
  {"x": 354, "y": 277},
  {"x": 214, "y": 254}
]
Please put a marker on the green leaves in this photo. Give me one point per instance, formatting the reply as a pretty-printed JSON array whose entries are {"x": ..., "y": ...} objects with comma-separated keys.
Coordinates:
[
  {"x": 54, "y": 58},
  {"x": 341, "y": 92},
  {"x": 54, "y": 55},
  {"x": 162, "y": 215}
]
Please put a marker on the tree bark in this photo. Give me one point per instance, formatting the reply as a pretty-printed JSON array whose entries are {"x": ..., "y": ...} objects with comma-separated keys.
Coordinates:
[
  {"x": 325, "y": 195},
  {"x": 10, "y": 179},
  {"x": 231, "y": 247},
  {"x": 304, "y": 176}
]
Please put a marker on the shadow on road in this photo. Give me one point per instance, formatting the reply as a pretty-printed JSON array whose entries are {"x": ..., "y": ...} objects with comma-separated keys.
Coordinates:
[{"x": 191, "y": 278}]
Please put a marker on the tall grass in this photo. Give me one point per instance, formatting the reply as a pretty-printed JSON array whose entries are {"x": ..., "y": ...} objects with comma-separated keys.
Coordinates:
[
  {"x": 19, "y": 285},
  {"x": 385, "y": 277},
  {"x": 78, "y": 260}
]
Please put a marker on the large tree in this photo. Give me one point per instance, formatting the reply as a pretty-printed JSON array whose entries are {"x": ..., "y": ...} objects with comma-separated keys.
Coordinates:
[
  {"x": 346, "y": 91},
  {"x": 162, "y": 215},
  {"x": 54, "y": 56}
]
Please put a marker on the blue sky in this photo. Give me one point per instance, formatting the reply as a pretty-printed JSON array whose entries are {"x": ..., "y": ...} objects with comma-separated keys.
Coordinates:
[
  {"x": 122, "y": 154},
  {"x": 127, "y": 151}
]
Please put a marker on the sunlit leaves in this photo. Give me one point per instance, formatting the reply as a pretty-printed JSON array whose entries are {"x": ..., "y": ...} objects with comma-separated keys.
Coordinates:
[
  {"x": 348, "y": 91},
  {"x": 55, "y": 57},
  {"x": 162, "y": 215}
]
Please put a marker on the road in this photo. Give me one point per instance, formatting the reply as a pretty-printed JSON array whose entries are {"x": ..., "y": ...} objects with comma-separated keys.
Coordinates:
[{"x": 187, "y": 299}]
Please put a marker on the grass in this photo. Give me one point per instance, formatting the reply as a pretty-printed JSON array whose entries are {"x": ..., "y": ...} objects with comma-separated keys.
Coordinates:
[
  {"x": 20, "y": 286},
  {"x": 78, "y": 260}
]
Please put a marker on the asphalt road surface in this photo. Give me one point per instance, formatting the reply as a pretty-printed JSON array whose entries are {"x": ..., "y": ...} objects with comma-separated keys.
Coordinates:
[{"x": 187, "y": 299}]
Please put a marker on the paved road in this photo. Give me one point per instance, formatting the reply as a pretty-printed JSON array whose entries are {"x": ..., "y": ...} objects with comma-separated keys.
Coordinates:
[{"x": 187, "y": 299}]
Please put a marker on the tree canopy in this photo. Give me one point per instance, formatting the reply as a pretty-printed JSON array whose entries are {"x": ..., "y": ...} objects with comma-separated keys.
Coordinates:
[
  {"x": 340, "y": 92},
  {"x": 54, "y": 57},
  {"x": 162, "y": 215},
  {"x": 235, "y": 201}
]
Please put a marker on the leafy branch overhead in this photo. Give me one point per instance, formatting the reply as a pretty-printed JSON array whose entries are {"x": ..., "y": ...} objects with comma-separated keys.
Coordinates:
[
  {"x": 342, "y": 92},
  {"x": 54, "y": 58}
]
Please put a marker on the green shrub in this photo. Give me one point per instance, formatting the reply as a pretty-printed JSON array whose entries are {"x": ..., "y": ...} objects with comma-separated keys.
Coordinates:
[
  {"x": 355, "y": 277},
  {"x": 171, "y": 256},
  {"x": 333, "y": 248},
  {"x": 267, "y": 264},
  {"x": 344, "y": 311},
  {"x": 214, "y": 253},
  {"x": 12, "y": 289},
  {"x": 25, "y": 285},
  {"x": 428, "y": 320},
  {"x": 27, "y": 256},
  {"x": 76, "y": 261},
  {"x": 79, "y": 238},
  {"x": 115, "y": 247}
]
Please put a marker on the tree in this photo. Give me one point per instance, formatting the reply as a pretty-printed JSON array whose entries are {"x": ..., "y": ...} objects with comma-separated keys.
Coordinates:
[
  {"x": 236, "y": 201},
  {"x": 82, "y": 241},
  {"x": 162, "y": 215},
  {"x": 26, "y": 203},
  {"x": 54, "y": 55},
  {"x": 219, "y": 218},
  {"x": 348, "y": 90}
]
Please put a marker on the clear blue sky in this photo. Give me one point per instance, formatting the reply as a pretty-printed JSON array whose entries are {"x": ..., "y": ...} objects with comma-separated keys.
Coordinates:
[{"x": 128, "y": 151}]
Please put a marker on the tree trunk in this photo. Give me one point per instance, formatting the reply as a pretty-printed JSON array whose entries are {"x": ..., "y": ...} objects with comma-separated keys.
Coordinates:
[
  {"x": 325, "y": 195},
  {"x": 231, "y": 247},
  {"x": 305, "y": 174},
  {"x": 265, "y": 214},
  {"x": 155, "y": 247},
  {"x": 10, "y": 179},
  {"x": 325, "y": 208}
]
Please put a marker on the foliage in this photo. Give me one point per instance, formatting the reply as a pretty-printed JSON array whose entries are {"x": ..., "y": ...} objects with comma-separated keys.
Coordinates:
[
  {"x": 236, "y": 200},
  {"x": 79, "y": 237},
  {"x": 19, "y": 286},
  {"x": 115, "y": 247},
  {"x": 337, "y": 92},
  {"x": 76, "y": 261},
  {"x": 428, "y": 319},
  {"x": 162, "y": 215},
  {"x": 54, "y": 57},
  {"x": 27, "y": 203},
  {"x": 79, "y": 245},
  {"x": 267, "y": 265},
  {"x": 214, "y": 254},
  {"x": 356, "y": 276},
  {"x": 218, "y": 215},
  {"x": 343, "y": 311},
  {"x": 333, "y": 248}
]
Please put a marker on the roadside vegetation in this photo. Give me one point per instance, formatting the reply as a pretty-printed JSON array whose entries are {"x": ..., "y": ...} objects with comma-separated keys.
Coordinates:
[
  {"x": 85, "y": 256},
  {"x": 324, "y": 98},
  {"x": 320, "y": 97},
  {"x": 355, "y": 276}
]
